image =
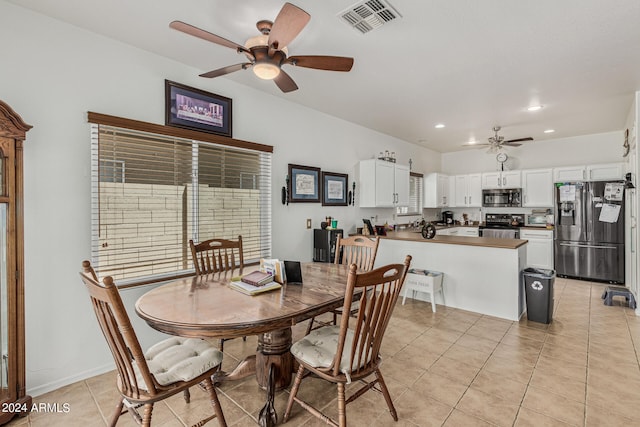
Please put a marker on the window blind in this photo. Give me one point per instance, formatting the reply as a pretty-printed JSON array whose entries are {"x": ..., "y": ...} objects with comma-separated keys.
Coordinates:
[
  {"x": 415, "y": 196},
  {"x": 151, "y": 193}
]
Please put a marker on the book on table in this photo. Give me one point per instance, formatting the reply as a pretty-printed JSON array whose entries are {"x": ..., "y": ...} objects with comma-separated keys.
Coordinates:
[
  {"x": 248, "y": 289},
  {"x": 275, "y": 267},
  {"x": 257, "y": 278}
]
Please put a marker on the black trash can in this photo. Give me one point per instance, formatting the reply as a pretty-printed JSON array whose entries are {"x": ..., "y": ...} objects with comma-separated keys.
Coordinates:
[{"x": 538, "y": 284}]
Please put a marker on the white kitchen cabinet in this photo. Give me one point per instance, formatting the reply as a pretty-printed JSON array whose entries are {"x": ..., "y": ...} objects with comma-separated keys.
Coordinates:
[
  {"x": 537, "y": 186},
  {"x": 600, "y": 172},
  {"x": 569, "y": 173},
  {"x": 436, "y": 190},
  {"x": 382, "y": 184},
  {"x": 468, "y": 190},
  {"x": 503, "y": 179},
  {"x": 539, "y": 247},
  {"x": 605, "y": 172},
  {"x": 469, "y": 231}
]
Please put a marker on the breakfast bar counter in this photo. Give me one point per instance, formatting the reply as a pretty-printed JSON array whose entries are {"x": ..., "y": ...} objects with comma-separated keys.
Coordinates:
[{"x": 481, "y": 274}]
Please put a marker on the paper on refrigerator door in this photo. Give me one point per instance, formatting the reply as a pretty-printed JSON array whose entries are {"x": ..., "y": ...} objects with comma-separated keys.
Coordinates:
[
  {"x": 609, "y": 213},
  {"x": 613, "y": 191},
  {"x": 567, "y": 193}
]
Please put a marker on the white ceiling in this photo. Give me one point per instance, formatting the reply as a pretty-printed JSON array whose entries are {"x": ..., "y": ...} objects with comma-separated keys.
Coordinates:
[{"x": 466, "y": 63}]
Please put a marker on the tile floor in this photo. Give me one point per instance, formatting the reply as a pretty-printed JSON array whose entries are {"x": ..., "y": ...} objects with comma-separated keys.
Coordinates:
[{"x": 450, "y": 368}]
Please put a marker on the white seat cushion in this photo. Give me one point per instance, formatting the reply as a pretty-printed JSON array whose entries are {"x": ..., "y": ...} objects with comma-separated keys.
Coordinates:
[
  {"x": 179, "y": 359},
  {"x": 319, "y": 348}
]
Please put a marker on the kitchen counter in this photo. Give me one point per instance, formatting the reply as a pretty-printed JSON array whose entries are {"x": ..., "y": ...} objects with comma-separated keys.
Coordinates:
[
  {"x": 481, "y": 274},
  {"x": 456, "y": 240}
]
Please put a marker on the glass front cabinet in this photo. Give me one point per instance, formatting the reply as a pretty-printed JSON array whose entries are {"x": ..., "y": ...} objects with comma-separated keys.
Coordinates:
[{"x": 13, "y": 398}]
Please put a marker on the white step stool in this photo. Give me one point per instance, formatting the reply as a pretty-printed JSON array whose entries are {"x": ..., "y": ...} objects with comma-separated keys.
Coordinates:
[{"x": 427, "y": 281}]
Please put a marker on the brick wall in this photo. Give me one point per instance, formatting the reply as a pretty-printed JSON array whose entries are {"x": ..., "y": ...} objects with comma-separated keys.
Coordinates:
[{"x": 145, "y": 229}]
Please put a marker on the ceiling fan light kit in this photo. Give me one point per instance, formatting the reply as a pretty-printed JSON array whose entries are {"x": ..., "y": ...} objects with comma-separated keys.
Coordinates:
[{"x": 267, "y": 52}]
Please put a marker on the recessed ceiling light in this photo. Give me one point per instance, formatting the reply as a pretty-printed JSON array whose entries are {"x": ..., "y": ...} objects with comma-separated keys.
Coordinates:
[
  {"x": 534, "y": 108},
  {"x": 439, "y": 126},
  {"x": 549, "y": 131},
  {"x": 472, "y": 141}
]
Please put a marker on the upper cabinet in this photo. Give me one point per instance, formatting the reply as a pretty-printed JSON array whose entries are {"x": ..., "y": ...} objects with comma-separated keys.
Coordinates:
[
  {"x": 602, "y": 172},
  {"x": 436, "y": 190},
  {"x": 503, "y": 179},
  {"x": 537, "y": 186},
  {"x": 468, "y": 190},
  {"x": 382, "y": 184}
]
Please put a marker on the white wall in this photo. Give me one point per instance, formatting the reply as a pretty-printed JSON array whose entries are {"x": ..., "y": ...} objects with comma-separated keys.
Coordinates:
[
  {"x": 578, "y": 150},
  {"x": 51, "y": 75}
]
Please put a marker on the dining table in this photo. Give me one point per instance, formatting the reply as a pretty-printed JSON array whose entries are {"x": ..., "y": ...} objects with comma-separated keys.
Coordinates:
[{"x": 206, "y": 306}]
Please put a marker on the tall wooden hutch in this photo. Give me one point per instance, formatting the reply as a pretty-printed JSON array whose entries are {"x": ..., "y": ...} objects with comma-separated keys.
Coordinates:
[{"x": 13, "y": 396}]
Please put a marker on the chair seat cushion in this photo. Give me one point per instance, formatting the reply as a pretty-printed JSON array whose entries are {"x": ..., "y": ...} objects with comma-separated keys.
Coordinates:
[
  {"x": 180, "y": 359},
  {"x": 318, "y": 349}
]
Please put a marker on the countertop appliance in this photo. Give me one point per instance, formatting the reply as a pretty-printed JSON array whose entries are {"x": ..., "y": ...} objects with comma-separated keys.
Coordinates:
[
  {"x": 447, "y": 218},
  {"x": 501, "y": 225},
  {"x": 589, "y": 230},
  {"x": 507, "y": 197}
]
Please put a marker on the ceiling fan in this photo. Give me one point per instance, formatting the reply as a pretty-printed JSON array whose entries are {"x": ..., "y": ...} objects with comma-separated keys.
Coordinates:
[
  {"x": 496, "y": 142},
  {"x": 267, "y": 53}
]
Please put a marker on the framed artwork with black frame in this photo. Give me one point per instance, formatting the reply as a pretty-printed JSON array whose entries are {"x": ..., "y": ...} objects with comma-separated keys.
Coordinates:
[
  {"x": 304, "y": 184},
  {"x": 334, "y": 189},
  {"x": 190, "y": 108}
]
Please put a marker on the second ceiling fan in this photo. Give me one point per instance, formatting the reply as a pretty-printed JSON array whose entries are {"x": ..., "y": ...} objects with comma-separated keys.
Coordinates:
[
  {"x": 496, "y": 142},
  {"x": 267, "y": 53}
]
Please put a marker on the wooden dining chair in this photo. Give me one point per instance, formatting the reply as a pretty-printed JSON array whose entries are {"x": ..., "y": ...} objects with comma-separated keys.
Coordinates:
[
  {"x": 359, "y": 250},
  {"x": 167, "y": 368},
  {"x": 218, "y": 256},
  {"x": 350, "y": 351}
]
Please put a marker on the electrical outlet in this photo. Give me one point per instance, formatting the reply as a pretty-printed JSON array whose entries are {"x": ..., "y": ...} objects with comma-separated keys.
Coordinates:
[{"x": 308, "y": 222}]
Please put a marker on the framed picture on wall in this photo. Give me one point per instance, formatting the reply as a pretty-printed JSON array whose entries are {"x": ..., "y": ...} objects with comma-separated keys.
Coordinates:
[
  {"x": 190, "y": 108},
  {"x": 334, "y": 189},
  {"x": 304, "y": 184}
]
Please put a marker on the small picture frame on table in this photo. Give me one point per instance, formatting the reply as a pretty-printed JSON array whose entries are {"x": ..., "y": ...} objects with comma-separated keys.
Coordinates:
[
  {"x": 190, "y": 108},
  {"x": 334, "y": 189},
  {"x": 304, "y": 184}
]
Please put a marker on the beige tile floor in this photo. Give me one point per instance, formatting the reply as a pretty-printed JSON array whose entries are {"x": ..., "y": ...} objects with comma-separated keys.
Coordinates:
[{"x": 450, "y": 368}]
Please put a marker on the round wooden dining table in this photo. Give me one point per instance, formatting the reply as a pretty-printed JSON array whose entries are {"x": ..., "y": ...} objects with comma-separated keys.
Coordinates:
[{"x": 206, "y": 307}]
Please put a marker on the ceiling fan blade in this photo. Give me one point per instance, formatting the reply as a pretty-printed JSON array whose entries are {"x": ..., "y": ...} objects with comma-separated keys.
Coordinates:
[
  {"x": 226, "y": 70},
  {"x": 511, "y": 144},
  {"x": 285, "y": 82},
  {"x": 205, "y": 35},
  {"x": 520, "y": 139},
  {"x": 287, "y": 25},
  {"x": 319, "y": 62}
]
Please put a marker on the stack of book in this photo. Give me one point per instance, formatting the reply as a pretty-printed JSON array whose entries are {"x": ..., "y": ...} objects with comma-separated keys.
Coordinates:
[{"x": 254, "y": 283}]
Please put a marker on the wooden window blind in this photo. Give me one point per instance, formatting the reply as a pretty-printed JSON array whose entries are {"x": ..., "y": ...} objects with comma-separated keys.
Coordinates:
[
  {"x": 415, "y": 196},
  {"x": 152, "y": 192}
]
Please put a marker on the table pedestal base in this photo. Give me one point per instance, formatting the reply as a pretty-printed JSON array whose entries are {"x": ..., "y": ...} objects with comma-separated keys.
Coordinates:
[{"x": 273, "y": 350}]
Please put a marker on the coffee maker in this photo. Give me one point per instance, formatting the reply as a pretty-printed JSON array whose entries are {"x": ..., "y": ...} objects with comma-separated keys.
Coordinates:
[{"x": 447, "y": 217}]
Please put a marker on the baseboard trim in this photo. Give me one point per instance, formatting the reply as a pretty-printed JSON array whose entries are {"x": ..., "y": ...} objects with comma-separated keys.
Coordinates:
[{"x": 46, "y": 388}]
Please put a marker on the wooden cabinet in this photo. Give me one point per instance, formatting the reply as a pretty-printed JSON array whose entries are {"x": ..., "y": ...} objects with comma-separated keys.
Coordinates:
[
  {"x": 539, "y": 247},
  {"x": 12, "y": 363},
  {"x": 436, "y": 190},
  {"x": 382, "y": 184},
  {"x": 468, "y": 190},
  {"x": 503, "y": 179},
  {"x": 537, "y": 188},
  {"x": 600, "y": 172}
]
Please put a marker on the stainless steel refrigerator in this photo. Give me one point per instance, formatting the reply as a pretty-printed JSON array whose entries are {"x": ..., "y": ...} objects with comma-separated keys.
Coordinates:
[{"x": 589, "y": 230}]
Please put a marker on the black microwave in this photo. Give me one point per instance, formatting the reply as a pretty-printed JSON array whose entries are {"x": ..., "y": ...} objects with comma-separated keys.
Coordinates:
[{"x": 508, "y": 197}]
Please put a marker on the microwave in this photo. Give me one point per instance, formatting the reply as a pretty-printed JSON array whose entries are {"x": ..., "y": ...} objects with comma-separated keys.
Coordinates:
[{"x": 508, "y": 197}]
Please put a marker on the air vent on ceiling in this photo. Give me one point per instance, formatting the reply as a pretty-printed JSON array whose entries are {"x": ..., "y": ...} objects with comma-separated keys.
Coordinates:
[{"x": 368, "y": 15}]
